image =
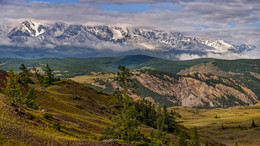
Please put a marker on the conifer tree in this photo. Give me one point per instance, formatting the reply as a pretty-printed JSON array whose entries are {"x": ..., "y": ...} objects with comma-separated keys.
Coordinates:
[
  {"x": 126, "y": 124},
  {"x": 124, "y": 79},
  {"x": 207, "y": 144},
  {"x": 253, "y": 124},
  {"x": 195, "y": 141},
  {"x": 182, "y": 139},
  {"x": 222, "y": 127},
  {"x": 29, "y": 99},
  {"x": 13, "y": 89},
  {"x": 24, "y": 76},
  {"x": 49, "y": 77}
]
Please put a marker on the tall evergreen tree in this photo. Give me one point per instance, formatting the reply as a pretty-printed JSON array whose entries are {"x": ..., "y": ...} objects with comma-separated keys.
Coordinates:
[
  {"x": 29, "y": 99},
  {"x": 37, "y": 75},
  {"x": 126, "y": 124},
  {"x": 206, "y": 144},
  {"x": 253, "y": 124},
  {"x": 13, "y": 89},
  {"x": 182, "y": 139},
  {"x": 195, "y": 141},
  {"x": 49, "y": 77},
  {"x": 24, "y": 76}
]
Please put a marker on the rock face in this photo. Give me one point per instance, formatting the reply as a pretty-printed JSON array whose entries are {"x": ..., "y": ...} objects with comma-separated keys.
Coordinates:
[
  {"x": 198, "y": 90},
  {"x": 119, "y": 39}
]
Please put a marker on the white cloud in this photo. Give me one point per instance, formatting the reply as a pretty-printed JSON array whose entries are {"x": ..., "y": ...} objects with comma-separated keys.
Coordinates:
[{"x": 253, "y": 54}]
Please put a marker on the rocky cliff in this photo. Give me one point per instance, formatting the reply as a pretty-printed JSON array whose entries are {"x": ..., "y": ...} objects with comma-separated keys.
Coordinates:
[{"x": 195, "y": 89}]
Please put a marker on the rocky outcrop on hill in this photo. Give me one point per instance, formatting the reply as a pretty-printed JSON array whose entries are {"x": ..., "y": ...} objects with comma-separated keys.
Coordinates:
[{"x": 198, "y": 90}]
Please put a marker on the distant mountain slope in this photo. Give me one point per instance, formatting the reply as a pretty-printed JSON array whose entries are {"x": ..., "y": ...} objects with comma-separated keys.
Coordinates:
[
  {"x": 245, "y": 70},
  {"x": 64, "y": 40},
  {"x": 69, "y": 67}
]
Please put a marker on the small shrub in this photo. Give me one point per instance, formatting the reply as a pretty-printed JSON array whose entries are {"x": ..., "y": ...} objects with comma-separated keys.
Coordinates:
[
  {"x": 57, "y": 126},
  {"x": 253, "y": 124},
  {"x": 47, "y": 116},
  {"x": 222, "y": 127},
  {"x": 76, "y": 98},
  {"x": 78, "y": 106}
]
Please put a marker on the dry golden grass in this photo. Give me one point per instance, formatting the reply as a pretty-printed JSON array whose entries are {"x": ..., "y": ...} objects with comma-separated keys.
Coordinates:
[
  {"x": 91, "y": 78},
  {"x": 236, "y": 121}
]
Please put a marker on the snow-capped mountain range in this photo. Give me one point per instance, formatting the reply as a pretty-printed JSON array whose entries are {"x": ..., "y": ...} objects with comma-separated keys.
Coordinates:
[{"x": 59, "y": 37}]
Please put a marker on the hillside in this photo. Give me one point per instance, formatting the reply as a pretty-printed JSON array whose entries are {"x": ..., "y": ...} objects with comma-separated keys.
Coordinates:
[{"x": 81, "y": 111}]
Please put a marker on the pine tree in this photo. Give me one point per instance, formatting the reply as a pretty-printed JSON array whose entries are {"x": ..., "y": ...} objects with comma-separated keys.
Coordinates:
[
  {"x": 24, "y": 76},
  {"x": 13, "y": 89},
  {"x": 207, "y": 144},
  {"x": 253, "y": 124},
  {"x": 195, "y": 141},
  {"x": 124, "y": 79},
  {"x": 37, "y": 74},
  {"x": 126, "y": 124},
  {"x": 118, "y": 98},
  {"x": 222, "y": 127},
  {"x": 29, "y": 99},
  {"x": 160, "y": 119},
  {"x": 182, "y": 139},
  {"x": 49, "y": 77},
  {"x": 24, "y": 69}
]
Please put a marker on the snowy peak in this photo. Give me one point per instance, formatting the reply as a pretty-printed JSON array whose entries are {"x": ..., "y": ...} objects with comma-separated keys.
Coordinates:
[
  {"x": 219, "y": 46},
  {"x": 35, "y": 29},
  {"x": 26, "y": 29},
  {"x": 120, "y": 38}
]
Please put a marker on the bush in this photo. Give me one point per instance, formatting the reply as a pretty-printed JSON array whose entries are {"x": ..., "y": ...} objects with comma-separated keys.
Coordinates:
[
  {"x": 57, "y": 126},
  {"x": 78, "y": 106},
  {"x": 253, "y": 124},
  {"x": 47, "y": 116}
]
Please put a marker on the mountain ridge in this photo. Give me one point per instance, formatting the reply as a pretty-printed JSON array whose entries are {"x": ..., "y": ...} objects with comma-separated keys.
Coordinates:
[{"x": 77, "y": 39}]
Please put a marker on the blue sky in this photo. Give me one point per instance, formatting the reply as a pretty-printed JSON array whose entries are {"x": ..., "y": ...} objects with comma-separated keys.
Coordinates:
[
  {"x": 74, "y": 1},
  {"x": 127, "y": 7}
]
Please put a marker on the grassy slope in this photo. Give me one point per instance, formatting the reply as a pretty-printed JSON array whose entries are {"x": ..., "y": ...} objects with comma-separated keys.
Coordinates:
[
  {"x": 77, "y": 124},
  {"x": 231, "y": 118}
]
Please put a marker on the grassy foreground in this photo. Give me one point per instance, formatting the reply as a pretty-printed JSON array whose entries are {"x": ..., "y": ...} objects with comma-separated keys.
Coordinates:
[
  {"x": 236, "y": 123},
  {"x": 82, "y": 115}
]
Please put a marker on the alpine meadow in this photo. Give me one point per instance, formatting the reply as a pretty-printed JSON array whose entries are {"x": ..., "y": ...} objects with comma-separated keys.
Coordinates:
[{"x": 141, "y": 73}]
